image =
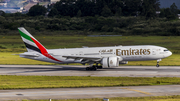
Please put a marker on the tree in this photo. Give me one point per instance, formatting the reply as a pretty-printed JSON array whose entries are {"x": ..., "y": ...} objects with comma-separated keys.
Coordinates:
[
  {"x": 162, "y": 14},
  {"x": 115, "y": 6},
  {"x": 174, "y": 9},
  {"x": 79, "y": 13},
  {"x": 167, "y": 12},
  {"x": 150, "y": 14},
  {"x": 106, "y": 11},
  {"x": 86, "y": 7},
  {"x": 37, "y": 10},
  {"x": 131, "y": 7},
  {"x": 118, "y": 12},
  {"x": 149, "y": 8},
  {"x": 2, "y": 13},
  {"x": 66, "y": 8},
  {"x": 169, "y": 15},
  {"x": 53, "y": 12}
]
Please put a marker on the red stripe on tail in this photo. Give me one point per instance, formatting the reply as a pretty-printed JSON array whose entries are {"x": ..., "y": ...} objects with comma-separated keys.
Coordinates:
[{"x": 44, "y": 51}]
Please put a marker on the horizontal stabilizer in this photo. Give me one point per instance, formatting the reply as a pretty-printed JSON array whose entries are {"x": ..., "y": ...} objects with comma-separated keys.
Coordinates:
[{"x": 28, "y": 55}]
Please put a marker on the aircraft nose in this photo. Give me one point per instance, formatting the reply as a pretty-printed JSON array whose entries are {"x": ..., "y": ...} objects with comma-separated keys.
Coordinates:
[
  {"x": 170, "y": 53},
  {"x": 167, "y": 54}
]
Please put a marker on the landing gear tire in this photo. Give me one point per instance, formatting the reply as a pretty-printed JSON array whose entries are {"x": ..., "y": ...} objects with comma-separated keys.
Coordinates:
[
  {"x": 158, "y": 63},
  {"x": 99, "y": 67},
  {"x": 87, "y": 68},
  {"x": 94, "y": 68}
]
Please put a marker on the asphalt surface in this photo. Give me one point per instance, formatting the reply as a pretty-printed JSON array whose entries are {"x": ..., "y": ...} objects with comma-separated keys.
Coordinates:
[
  {"x": 68, "y": 70},
  {"x": 99, "y": 92},
  {"x": 94, "y": 92}
]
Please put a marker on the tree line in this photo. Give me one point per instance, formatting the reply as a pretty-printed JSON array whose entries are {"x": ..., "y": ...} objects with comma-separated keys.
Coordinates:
[
  {"x": 106, "y": 8},
  {"x": 89, "y": 25},
  {"x": 124, "y": 17}
]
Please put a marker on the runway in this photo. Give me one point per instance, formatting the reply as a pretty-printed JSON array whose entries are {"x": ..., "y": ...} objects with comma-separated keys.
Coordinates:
[
  {"x": 68, "y": 70},
  {"x": 94, "y": 92}
]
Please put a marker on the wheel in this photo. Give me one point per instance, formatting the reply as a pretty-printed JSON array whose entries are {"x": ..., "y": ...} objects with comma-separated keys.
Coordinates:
[
  {"x": 95, "y": 68},
  {"x": 87, "y": 68},
  {"x": 99, "y": 67},
  {"x": 157, "y": 65},
  {"x": 90, "y": 68}
]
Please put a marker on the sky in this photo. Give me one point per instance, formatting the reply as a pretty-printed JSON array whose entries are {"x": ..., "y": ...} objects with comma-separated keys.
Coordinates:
[{"x": 168, "y": 3}]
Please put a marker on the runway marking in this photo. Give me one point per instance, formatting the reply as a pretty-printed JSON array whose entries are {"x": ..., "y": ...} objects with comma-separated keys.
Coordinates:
[{"x": 137, "y": 91}]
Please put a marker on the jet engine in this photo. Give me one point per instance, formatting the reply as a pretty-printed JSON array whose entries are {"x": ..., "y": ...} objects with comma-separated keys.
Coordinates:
[{"x": 110, "y": 62}]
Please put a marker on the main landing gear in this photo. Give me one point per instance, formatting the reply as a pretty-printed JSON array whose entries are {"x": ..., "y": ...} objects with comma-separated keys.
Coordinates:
[
  {"x": 93, "y": 68},
  {"x": 158, "y": 63}
]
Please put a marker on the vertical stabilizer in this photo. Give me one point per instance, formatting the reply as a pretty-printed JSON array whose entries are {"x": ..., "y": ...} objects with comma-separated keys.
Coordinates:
[
  {"x": 34, "y": 45},
  {"x": 31, "y": 43}
]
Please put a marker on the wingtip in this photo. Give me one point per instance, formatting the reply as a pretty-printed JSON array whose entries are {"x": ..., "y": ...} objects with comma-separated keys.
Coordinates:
[{"x": 20, "y": 27}]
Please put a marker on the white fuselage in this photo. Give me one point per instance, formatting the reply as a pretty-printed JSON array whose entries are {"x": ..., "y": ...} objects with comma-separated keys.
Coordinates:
[{"x": 127, "y": 53}]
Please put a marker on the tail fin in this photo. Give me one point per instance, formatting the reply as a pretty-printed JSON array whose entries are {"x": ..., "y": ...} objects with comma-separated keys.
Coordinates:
[{"x": 31, "y": 43}]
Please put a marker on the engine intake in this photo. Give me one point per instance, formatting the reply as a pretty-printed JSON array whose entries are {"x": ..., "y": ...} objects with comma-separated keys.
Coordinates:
[{"x": 108, "y": 62}]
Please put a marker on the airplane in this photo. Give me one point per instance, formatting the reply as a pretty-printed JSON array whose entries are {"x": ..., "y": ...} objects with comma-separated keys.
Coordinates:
[{"x": 107, "y": 57}]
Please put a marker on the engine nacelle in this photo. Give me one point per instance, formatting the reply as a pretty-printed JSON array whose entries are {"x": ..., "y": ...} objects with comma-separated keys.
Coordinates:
[
  {"x": 123, "y": 62},
  {"x": 111, "y": 61}
]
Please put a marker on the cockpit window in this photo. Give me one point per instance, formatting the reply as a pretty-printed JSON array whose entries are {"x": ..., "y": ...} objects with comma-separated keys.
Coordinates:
[{"x": 166, "y": 50}]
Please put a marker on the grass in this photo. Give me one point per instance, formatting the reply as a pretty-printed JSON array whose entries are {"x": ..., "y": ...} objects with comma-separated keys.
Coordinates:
[
  {"x": 154, "y": 98},
  {"x": 169, "y": 61},
  {"x": 28, "y": 82},
  {"x": 9, "y": 58},
  {"x": 15, "y": 43}
]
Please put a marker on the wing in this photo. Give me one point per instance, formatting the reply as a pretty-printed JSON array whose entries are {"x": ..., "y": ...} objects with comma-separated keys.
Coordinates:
[{"x": 84, "y": 59}]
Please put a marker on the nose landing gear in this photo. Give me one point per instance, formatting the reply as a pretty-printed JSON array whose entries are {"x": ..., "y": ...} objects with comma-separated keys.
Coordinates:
[{"x": 158, "y": 63}]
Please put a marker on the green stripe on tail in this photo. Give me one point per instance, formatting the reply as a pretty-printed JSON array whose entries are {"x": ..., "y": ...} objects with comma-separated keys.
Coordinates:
[{"x": 25, "y": 36}]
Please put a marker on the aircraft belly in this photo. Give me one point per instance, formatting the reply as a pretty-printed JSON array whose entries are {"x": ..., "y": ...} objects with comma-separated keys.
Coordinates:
[{"x": 139, "y": 58}]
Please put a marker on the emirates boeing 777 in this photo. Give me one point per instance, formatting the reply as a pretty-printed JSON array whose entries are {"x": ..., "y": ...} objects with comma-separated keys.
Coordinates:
[{"x": 107, "y": 57}]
